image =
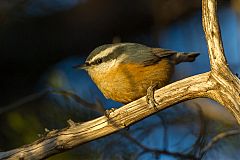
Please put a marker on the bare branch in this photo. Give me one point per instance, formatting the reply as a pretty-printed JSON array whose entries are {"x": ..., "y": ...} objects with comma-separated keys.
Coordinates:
[
  {"x": 228, "y": 84},
  {"x": 200, "y": 141},
  {"x": 32, "y": 97},
  {"x": 219, "y": 137},
  {"x": 165, "y": 131},
  {"x": 23, "y": 101},
  {"x": 156, "y": 152},
  {"x": 59, "y": 141},
  {"x": 213, "y": 34},
  {"x": 93, "y": 106},
  {"x": 219, "y": 84}
]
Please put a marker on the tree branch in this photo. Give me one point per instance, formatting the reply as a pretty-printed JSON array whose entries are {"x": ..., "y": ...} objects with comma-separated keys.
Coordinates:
[
  {"x": 219, "y": 84},
  {"x": 213, "y": 34},
  {"x": 59, "y": 141},
  {"x": 228, "y": 84},
  {"x": 219, "y": 137},
  {"x": 156, "y": 152}
]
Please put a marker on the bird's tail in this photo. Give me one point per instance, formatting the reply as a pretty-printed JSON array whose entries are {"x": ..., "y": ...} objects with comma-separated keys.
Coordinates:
[{"x": 184, "y": 57}]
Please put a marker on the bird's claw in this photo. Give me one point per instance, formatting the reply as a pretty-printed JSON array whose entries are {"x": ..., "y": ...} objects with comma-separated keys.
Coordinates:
[
  {"x": 150, "y": 96},
  {"x": 109, "y": 111}
]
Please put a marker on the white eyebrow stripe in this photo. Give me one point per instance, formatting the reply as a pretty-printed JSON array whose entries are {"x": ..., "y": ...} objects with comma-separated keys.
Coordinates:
[{"x": 106, "y": 52}]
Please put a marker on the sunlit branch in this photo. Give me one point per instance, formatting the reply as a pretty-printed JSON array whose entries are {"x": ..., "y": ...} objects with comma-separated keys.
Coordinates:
[{"x": 219, "y": 84}]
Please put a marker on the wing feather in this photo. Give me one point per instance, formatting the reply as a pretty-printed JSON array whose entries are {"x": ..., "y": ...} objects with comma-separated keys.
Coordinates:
[
  {"x": 158, "y": 54},
  {"x": 161, "y": 53}
]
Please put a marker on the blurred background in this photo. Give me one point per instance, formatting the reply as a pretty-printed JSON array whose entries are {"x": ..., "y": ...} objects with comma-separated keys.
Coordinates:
[{"x": 40, "y": 41}]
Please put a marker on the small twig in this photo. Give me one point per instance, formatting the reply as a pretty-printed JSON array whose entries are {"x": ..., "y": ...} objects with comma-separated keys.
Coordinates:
[
  {"x": 96, "y": 107},
  {"x": 219, "y": 137},
  {"x": 200, "y": 142},
  {"x": 23, "y": 101},
  {"x": 71, "y": 123},
  {"x": 165, "y": 131},
  {"x": 93, "y": 106},
  {"x": 156, "y": 152}
]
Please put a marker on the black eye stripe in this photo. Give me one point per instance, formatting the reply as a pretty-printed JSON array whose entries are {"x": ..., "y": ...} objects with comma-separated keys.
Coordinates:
[
  {"x": 97, "y": 61},
  {"x": 112, "y": 55}
]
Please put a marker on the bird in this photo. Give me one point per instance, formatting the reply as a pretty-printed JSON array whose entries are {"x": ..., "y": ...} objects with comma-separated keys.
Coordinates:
[{"x": 125, "y": 72}]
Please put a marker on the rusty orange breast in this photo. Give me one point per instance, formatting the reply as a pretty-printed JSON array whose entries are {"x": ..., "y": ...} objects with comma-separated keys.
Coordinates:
[{"x": 128, "y": 82}]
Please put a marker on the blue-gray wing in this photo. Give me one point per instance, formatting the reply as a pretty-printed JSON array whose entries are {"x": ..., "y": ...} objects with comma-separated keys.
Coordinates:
[
  {"x": 158, "y": 54},
  {"x": 141, "y": 54}
]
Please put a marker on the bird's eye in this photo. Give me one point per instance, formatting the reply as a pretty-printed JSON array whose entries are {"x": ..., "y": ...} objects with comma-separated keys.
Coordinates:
[
  {"x": 87, "y": 63},
  {"x": 99, "y": 61}
]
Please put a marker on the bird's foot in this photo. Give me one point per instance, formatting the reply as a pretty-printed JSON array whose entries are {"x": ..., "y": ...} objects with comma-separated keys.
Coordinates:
[
  {"x": 150, "y": 96},
  {"x": 109, "y": 111}
]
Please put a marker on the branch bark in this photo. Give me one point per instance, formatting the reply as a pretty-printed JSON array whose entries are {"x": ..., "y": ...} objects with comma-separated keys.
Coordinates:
[
  {"x": 228, "y": 90},
  {"x": 219, "y": 84}
]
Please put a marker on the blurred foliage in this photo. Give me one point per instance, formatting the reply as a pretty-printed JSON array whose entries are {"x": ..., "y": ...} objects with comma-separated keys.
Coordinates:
[
  {"x": 236, "y": 5},
  {"x": 187, "y": 120}
]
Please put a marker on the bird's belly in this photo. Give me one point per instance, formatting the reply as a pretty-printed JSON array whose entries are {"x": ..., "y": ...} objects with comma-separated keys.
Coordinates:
[{"x": 129, "y": 82}]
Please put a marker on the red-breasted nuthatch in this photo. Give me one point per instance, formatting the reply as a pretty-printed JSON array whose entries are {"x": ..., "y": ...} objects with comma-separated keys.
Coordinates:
[{"x": 125, "y": 71}]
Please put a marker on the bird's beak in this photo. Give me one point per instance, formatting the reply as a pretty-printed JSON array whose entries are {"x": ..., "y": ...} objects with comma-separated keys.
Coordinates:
[{"x": 81, "y": 66}]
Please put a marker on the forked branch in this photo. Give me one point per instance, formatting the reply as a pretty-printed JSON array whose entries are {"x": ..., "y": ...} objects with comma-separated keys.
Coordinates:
[{"x": 219, "y": 84}]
